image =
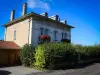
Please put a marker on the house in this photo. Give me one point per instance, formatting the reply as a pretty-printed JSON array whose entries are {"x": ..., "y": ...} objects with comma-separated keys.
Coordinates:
[{"x": 30, "y": 26}]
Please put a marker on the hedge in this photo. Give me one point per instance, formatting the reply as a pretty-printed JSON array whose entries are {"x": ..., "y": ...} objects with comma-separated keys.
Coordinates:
[
  {"x": 57, "y": 55},
  {"x": 27, "y": 55},
  {"x": 88, "y": 52},
  {"x": 48, "y": 55}
]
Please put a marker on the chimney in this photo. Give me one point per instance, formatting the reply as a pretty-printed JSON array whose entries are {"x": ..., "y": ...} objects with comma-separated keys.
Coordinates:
[
  {"x": 24, "y": 9},
  {"x": 44, "y": 14},
  {"x": 12, "y": 15},
  {"x": 55, "y": 17},
  {"x": 64, "y": 21}
]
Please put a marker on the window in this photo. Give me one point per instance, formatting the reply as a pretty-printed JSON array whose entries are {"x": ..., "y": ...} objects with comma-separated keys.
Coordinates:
[
  {"x": 46, "y": 31},
  {"x": 65, "y": 36},
  {"x": 41, "y": 31},
  {"x": 55, "y": 35},
  {"x": 62, "y": 35},
  {"x": 14, "y": 35}
]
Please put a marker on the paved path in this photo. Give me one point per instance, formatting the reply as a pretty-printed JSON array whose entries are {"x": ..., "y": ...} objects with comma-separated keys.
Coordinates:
[
  {"x": 93, "y": 69},
  {"x": 17, "y": 70}
]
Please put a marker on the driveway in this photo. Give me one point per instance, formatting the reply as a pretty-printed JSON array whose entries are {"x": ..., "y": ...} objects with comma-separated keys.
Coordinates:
[
  {"x": 17, "y": 70},
  {"x": 93, "y": 69}
]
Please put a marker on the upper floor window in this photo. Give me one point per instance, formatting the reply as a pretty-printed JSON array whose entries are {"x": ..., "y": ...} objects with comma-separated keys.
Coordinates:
[
  {"x": 55, "y": 35},
  {"x": 46, "y": 31},
  {"x": 14, "y": 35},
  {"x": 65, "y": 36},
  {"x": 62, "y": 35},
  {"x": 41, "y": 31}
]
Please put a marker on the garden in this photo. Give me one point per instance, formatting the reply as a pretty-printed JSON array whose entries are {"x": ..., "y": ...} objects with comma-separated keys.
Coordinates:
[{"x": 56, "y": 55}]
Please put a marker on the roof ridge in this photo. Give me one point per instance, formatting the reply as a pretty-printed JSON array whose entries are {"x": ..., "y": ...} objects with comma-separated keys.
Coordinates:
[{"x": 33, "y": 14}]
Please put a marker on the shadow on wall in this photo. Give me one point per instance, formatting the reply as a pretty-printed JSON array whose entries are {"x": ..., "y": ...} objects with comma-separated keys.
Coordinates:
[{"x": 3, "y": 72}]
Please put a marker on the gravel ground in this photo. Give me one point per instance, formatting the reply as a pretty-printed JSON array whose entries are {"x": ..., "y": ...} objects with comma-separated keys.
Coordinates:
[{"x": 93, "y": 69}]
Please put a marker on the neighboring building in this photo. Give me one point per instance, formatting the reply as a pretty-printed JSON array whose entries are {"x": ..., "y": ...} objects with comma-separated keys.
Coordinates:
[
  {"x": 29, "y": 27},
  {"x": 9, "y": 53}
]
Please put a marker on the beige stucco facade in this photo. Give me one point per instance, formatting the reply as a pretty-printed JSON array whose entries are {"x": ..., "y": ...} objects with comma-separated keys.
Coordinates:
[{"x": 22, "y": 32}]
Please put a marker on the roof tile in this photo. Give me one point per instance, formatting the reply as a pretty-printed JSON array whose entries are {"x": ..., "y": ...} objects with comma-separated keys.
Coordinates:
[{"x": 8, "y": 45}]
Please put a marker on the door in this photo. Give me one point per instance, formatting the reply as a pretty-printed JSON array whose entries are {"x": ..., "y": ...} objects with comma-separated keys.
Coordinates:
[
  {"x": 3, "y": 57},
  {"x": 12, "y": 58}
]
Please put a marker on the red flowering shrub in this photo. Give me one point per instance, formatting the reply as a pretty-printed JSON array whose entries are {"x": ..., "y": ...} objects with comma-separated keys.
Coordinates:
[
  {"x": 65, "y": 40},
  {"x": 45, "y": 38}
]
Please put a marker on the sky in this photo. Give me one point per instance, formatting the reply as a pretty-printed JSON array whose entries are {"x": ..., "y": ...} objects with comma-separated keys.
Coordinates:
[{"x": 84, "y": 15}]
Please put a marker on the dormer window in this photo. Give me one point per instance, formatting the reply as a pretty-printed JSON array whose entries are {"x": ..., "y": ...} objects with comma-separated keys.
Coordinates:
[{"x": 14, "y": 35}]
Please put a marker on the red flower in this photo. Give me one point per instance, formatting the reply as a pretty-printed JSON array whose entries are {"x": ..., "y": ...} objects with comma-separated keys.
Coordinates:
[{"x": 43, "y": 37}]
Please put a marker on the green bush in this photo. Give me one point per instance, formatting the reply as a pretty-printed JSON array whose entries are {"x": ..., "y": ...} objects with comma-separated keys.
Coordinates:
[
  {"x": 49, "y": 54},
  {"x": 88, "y": 52},
  {"x": 27, "y": 55},
  {"x": 39, "y": 57}
]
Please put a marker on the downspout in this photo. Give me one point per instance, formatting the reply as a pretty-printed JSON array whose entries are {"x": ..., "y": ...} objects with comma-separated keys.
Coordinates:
[
  {"x": 5, "y": 33},
  {"x": 29, "y": 30},
  {"x": 70, "y": 35}
]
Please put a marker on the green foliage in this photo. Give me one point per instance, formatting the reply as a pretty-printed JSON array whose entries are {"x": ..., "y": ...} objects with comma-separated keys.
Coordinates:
[
  {"x": 88, "y": 52},
  {"x": 27, "y": 55},
  {"x": 49, "y": 54},
  {"x": 39, "y": 57},
  {"x": 57, "y": 55}
]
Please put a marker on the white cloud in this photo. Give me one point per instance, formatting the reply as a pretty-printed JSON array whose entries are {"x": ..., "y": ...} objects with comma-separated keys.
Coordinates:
[{"x": 37, "y": 4}]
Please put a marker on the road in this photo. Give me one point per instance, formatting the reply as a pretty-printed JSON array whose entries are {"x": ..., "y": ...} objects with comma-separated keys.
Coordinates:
[
  {"x": 17, "y": 70},
  {"x": 93, "y": 69}
]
